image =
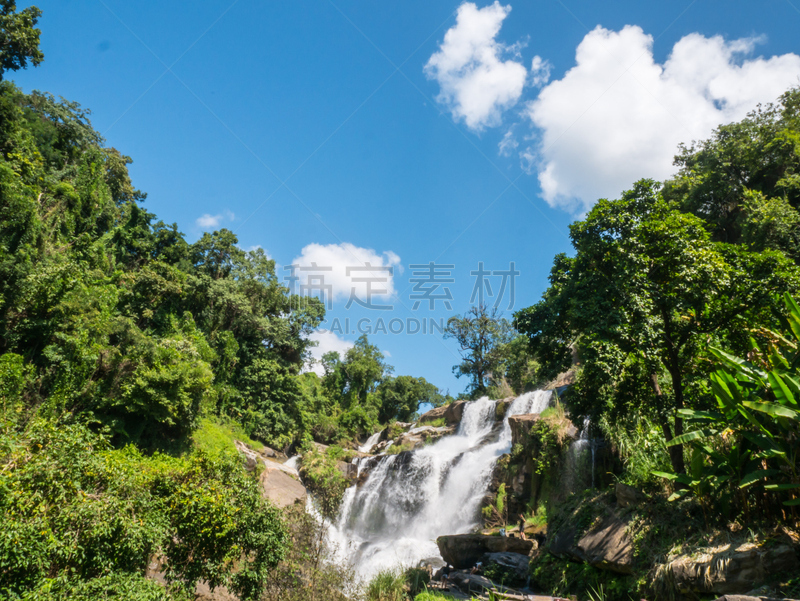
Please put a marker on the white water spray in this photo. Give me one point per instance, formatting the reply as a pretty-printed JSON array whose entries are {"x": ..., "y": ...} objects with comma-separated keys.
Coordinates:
[
  {"x": 371, "y": 442},
  {"x": 409, "y": 499}
]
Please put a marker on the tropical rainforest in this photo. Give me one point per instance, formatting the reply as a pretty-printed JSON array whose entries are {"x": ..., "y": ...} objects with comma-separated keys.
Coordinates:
[{"x": 130, "y": 357}]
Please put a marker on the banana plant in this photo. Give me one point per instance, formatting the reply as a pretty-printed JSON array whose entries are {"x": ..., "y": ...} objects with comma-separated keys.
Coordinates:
[{"x": 753, "y": 438}]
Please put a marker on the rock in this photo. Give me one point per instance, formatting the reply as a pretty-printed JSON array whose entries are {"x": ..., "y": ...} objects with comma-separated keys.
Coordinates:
[
  {"x": 280, "y": 486},
  {"x": 501, "y": 407},
  {"x": 451, "y": 413},
  {"x": 417, "y": 437},
  {"x": 628, "y": 496},
  {"x": 562, "y": 543},
  {"x": 348, "y": 470},
  {"x": 465, "y": 550},
  {"x": 521, "y": 426},
  {"x": 732, "y": 570},
  {"x": 608, "y": 546},
  {"x": 251, "y": 457},
  {"x": 749, "y": 598},
  {"x": 474, "y": 584},
  {"x": 514, "y": 563}
]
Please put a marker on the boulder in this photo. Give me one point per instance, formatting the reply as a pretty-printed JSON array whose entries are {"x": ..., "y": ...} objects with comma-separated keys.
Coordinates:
[
  {"x": 465, "y": 550},
  {"x": 348, "y": 470},
  {"x": 628, "y": 496},
  {"x": 416, "y": 437},
  {"x": 521, "y": 426},
  {"x": 608, "y": 546},
  {"x": 473, "y": 583},
  {"x": 562, "y": 542},
  {"x": 515, "y": 564},
  {"x": 280, "y": 486},
  {"x": 451, "y": 413},
  {"x": 501, "y": 407},
  {"x": 732, "y": 570}
]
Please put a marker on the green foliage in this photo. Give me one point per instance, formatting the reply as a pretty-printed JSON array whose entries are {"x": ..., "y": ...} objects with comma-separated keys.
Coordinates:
[
  {"x": 640, "y": 443},
  {"x": 748, "y": 445},
  {"x": 481, "y": 334},
  {"x": 309, "y": 571},
  {"x": 74, "y": 510},
  {"x": 19, "y": 37},
  {"x": 645, "y": 292},
  {"x": 433, "y": 596},
  {"x": 387, "y": 585},
  {"x": 322, "y": 477},
  {"x": 399, "y": 398},
  {"x": 745, "y": 180},
  {"x": 217, "y": 437},
  {"x": 132, "y": 587}
]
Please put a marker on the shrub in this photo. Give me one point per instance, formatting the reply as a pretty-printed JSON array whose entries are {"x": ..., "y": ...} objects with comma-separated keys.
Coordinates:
[
  {"x": 321, "y": 475},
  {"x": 74, "y": 510}
]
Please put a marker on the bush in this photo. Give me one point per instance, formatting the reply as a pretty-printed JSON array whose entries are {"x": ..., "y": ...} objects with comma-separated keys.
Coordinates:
[
  {"x": 309, "y": 572},
  {"x": 73, "y": 510},
  {"x": 321, "y": 475}
]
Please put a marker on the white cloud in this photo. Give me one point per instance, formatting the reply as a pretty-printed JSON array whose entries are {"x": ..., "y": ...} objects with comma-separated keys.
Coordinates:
[
  {"x": 477, "y": 85},
  {"x": 618, "y": 115},
  {"x": 210, "y": 222},
  {"x": 326, "y": 341},
  {"x": 540, "y": 71},
  {"x": 508, "y": 144},
  {"x": 363, "y": 264}
]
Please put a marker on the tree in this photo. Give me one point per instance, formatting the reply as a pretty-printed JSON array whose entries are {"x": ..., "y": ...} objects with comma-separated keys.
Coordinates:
[
  {"x": 645, "y": 293},
  {"x": 481, "y": 334},
  {"x": 399, "y": 398},
  {"x": 744, "y": 181},
  {"x": 19, "y": 37}
]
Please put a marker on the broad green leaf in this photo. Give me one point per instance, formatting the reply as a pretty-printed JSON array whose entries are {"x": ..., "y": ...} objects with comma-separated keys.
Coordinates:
[
  {"x": 773, "y": 409},
  {"x": 781, "y": 486},
  {"x": 755, "y": 476},
  {"x": 701, "y": 415},
  {"x": 690, "y": 436},
  {"x": 794, "y": 314},
  {"x": 792, "y": 502},
  {"x": 782, "y": 392},
  {"x": 678, "y": 494}
]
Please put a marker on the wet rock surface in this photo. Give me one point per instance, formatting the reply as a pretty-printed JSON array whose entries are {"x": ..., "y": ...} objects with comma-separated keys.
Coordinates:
[
  {"x": 451, "y": 413},
  {"x": 465, "y": 550}
]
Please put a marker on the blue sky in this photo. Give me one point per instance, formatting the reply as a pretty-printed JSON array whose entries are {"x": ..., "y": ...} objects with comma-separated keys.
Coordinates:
[{"x": 405, "y": 133}]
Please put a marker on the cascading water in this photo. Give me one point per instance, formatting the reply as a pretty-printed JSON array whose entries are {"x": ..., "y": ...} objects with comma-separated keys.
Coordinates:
[
  {"x": 371, "y": 442},
  {"x": 394, "y": 517}
]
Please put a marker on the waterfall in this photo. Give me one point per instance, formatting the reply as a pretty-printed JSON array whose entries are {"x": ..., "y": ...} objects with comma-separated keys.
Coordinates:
[
  {"x": 394, "y": 517},
  {"x": 371, "y": 442}
]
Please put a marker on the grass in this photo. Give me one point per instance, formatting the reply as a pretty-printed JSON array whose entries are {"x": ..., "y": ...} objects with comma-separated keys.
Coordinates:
[
  {"x": 217, "y": 436},
  {"x": 387, "y": 585}
]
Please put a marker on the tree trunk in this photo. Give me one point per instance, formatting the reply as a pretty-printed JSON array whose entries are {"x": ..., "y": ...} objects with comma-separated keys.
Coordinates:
[{"x": 676, "y": 452}]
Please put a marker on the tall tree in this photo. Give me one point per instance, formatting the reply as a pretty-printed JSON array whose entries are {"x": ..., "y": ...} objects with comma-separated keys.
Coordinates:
[
  {"x": 400, "y": 397},
  {"x": 481, "y": 334},
  {"x": 643, "y": 296},
  {"x": 19, "y": 37}
]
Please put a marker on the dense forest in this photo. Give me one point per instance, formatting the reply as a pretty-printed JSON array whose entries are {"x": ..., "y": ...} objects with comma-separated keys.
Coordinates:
[
  {"x": 130, "y": 357},
  {"x": 671, "y": 283},
  {"x": 126, "y": 352}
]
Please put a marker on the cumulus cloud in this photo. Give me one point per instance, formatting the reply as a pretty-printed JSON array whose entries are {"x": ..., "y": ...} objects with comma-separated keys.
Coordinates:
[
  {"x": 210, "y": 222},
  {"x": 618, "y": 116},
  {"x": 476, "y": 84},
  {"x": 327, "y": 341},
  {"x": 345, "y": 271}
]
